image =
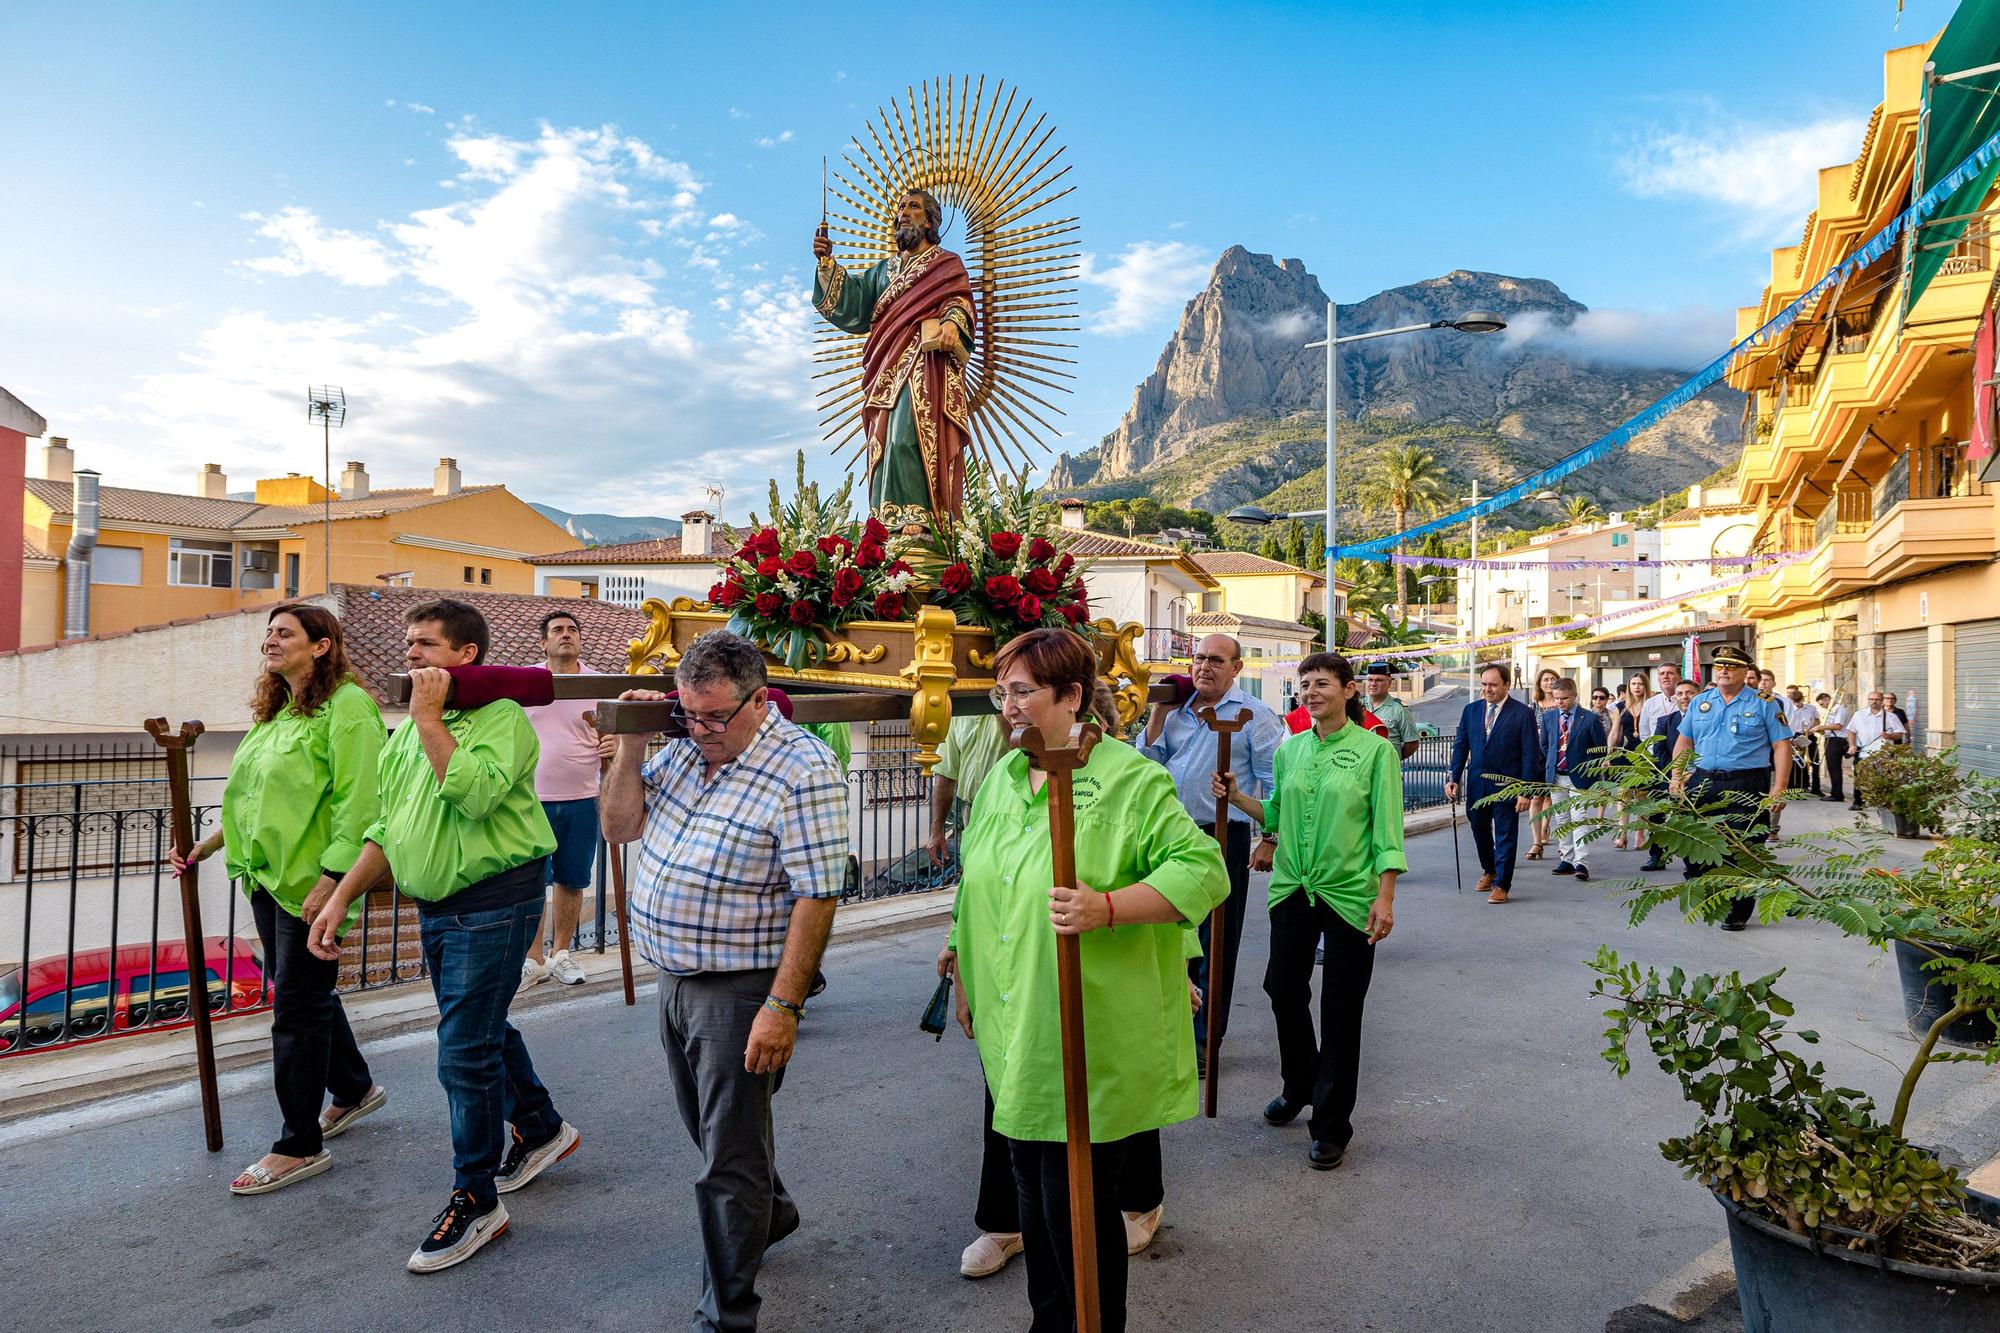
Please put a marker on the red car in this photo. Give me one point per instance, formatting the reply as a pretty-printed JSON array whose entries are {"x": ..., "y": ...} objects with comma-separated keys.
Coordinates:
[{"x": 147, "y": 987}]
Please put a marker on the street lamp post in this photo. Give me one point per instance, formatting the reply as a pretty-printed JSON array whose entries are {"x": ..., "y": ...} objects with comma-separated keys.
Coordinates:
[{"x": 1472, "y": 321}]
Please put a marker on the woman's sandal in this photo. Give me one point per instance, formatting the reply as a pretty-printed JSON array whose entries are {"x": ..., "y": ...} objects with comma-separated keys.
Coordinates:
[
  {"x": 263, "y": 1182},
  {"x": 337, "y": 1120},
  {"x": 1535, "y": 852}
]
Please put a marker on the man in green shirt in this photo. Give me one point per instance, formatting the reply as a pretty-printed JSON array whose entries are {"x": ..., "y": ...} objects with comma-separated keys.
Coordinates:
[
  {"x": 466, "y": 837},
  {"x": 1389, "y": 710},
  {"x": 973, "y": 744}
]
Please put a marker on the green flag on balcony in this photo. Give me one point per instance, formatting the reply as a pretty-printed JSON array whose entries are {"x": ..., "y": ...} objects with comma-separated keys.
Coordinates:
[{"x": 1962, "y": 117}]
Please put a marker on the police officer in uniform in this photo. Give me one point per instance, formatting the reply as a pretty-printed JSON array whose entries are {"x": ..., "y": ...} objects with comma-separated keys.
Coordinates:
[{"x": 1742, "y": 747}]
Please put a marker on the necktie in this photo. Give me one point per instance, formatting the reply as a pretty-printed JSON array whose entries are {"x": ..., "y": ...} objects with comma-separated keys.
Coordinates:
[
  {"x": 1492, "y": 711},
  {"x": 1562, "y": 744}
]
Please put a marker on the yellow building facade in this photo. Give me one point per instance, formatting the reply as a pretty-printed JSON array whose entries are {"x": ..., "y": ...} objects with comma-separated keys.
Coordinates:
[
  {"x": 1860, "y": 419},
  {"x": 162, "y": 556}
]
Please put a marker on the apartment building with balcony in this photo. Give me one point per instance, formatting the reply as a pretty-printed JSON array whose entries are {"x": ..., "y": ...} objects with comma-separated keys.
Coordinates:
[{"x": 1865, "y": 427}]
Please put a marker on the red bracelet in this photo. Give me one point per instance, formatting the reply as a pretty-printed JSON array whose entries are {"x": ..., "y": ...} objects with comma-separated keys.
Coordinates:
[{"x": 1110, "y": 913}]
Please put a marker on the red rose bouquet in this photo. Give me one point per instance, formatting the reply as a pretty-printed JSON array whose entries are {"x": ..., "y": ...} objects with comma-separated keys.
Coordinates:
[
  {"x": 1001, "y": 565},
  {"x": 809, "y": 571}
]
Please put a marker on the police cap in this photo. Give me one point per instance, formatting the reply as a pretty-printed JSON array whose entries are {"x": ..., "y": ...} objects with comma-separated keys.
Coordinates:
[{"x": 1730, "y": 655}]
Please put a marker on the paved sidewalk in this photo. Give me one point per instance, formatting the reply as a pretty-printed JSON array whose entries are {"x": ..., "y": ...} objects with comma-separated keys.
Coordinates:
[{"x": 1502, "y": 1176}]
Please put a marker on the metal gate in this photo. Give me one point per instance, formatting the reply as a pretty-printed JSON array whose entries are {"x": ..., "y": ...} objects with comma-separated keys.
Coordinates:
[
  {"x": 1976, "y": 695},
  {"x": 1906, "y": 675}
]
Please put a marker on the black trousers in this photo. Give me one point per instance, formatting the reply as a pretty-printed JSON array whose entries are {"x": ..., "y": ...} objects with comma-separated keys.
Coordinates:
[
  {"x": 1743, "y": 815},
  {"x": 312, "y": 1048},
  {"x": 1236, "y": 856},
  {"x": 1835, "y": 750},
  {"x": 1041, "y": 1174},
  {"x": 1326, "y": 1071},
  {"x": 1140, "y": 1188}
]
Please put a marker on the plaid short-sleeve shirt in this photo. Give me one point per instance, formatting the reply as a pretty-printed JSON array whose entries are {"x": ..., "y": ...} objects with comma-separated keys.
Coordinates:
[{"x": 721, "y": 859}]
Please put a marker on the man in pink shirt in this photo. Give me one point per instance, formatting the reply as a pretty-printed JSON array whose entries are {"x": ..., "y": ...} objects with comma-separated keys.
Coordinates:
[{"x": 566, "y": 782}]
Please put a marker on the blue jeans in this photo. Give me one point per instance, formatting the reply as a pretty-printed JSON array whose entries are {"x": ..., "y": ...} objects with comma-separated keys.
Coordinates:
[{"x": 475, "y": 967}]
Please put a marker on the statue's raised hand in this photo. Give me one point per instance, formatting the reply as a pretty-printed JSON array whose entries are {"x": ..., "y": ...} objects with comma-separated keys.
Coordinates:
[{"x": 822, "y": 247}]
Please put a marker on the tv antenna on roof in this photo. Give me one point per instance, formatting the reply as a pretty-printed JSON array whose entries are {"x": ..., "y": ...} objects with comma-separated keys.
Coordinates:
[{"x": 328, "y": 406}]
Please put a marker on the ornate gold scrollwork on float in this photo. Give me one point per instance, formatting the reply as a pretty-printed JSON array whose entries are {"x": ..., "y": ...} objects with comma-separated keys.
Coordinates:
[
  {"x": 932, "y": 670},
  {"x": 1118, "y": 657},
  {"x": 984, "y": 661},
  {"x": 658, "y": 640},
  {"x": 844, "y": 650}
]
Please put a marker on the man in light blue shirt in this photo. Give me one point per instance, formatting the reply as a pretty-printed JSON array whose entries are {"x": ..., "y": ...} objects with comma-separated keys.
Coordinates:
[{"x": 1177, "y": 737}]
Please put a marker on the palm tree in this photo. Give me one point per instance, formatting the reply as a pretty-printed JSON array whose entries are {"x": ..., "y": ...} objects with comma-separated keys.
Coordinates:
[
  {"x": 1582, "y": 509},
  {"x": 1372, "y": 588},
  {"x": 1404, "y": 481}
]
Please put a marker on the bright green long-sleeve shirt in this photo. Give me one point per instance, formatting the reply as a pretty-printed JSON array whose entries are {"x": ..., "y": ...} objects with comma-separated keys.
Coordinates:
[
  {"x": 301, "y": 795},
  {"x": 1336, "y": 805},
  {"x": 1138, "y": 1028},
  {"x": 482, "y": 819}
]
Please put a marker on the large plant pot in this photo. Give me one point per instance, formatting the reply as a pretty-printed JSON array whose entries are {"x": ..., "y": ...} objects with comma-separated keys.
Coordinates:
[
  {"x": 1789, "y": 1284},
  {"x": 1926, "y": 999},
  {"x": 1896, "y": 824}
]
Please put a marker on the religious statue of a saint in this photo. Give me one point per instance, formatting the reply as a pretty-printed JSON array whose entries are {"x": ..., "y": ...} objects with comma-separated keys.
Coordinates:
[{"x": 916, "y": 312}]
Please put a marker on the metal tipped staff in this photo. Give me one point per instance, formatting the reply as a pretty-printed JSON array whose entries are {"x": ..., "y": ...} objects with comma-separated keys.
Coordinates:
[
  {"x": 181, "y": 834},
  {"x": 1059, "y": 762},
  {"x": 616, "y": 856},
  {"x": 1457, "y": 869},
  {"x": 1219, "y": 979}
]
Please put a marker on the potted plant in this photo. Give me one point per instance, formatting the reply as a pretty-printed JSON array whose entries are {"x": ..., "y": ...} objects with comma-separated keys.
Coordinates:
[
  {"x": 999, "y": 563},
  {"x": 1828, "y": 1204},
  {"x": 796, "y": 580},
  {"x": 1914, "y": 790}
]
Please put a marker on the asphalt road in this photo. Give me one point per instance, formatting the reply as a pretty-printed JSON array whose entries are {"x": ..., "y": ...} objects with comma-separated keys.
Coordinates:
[{"x": 1501, "y": 1178}]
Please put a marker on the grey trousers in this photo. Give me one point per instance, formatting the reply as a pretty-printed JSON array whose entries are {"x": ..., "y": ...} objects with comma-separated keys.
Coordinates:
[{"x": 704, "y": 1026}]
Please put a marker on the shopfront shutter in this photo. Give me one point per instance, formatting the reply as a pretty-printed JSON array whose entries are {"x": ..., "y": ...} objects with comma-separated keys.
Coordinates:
[
  {"x": 1905, "y": 675},
  {"x": 1810, "y": 673},
  {"x": 1976, "y": 696}
]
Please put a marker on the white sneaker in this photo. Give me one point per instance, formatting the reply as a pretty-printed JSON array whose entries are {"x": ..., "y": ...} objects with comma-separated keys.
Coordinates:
[
  {"x": 565, "y": 969},
  {"x": 1140, "y": 1228},
  {"x": 532, "y": 974},
  {"x": 990, "y": 1253}
]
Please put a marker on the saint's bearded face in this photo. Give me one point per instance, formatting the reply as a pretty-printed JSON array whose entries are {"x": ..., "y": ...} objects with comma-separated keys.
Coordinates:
[
  {"x": 909, "y": 238},
  {"x": 914, "y": 223}
]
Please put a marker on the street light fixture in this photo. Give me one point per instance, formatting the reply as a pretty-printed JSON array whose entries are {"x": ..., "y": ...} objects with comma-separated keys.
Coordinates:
[{"x": 1472, "y": 321}]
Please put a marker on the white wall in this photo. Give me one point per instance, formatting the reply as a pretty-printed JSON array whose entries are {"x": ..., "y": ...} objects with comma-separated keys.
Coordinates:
[{"x": 665, "y": 582}]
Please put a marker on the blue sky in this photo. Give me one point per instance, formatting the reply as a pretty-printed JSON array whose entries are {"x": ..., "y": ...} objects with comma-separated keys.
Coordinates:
[{"x": 568, "y": 245}]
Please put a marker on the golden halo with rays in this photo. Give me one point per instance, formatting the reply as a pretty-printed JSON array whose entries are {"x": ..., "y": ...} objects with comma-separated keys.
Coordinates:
[{"x": 1001, "y": 181}]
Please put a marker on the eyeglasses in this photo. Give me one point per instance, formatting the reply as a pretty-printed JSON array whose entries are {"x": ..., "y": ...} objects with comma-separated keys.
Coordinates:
[
  {"x": 1001, "y": 696},
  {"x": 695, "y": 722},
  {"x": 1204, "y": 659}
]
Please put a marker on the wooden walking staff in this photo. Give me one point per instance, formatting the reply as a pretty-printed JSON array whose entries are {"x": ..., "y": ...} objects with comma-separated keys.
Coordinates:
[
  {"x": 1059, "y": 761},
  {"x": 616, "y": 856},
  {"x": 182, "y": 836},
  {"x": 1218, "y": 920}
]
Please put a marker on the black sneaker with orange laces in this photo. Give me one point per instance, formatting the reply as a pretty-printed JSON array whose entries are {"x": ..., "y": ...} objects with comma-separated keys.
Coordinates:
[{"x": 458, "y": 1232}]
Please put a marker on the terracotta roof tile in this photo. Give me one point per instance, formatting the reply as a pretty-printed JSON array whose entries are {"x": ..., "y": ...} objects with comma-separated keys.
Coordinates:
[
  {"x": 1223, "y": 620},
  {"x": 1249, "y": 562},
  {"x": 372, "y": 619},
  {"x": 651, "y": 551},
  {"x": 1102, "y": 545},
  {"x": 30, "y": 551}
]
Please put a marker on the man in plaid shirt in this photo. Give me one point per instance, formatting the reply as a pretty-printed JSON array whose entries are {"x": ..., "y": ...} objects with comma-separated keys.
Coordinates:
[{"x": 742, "y": 831}]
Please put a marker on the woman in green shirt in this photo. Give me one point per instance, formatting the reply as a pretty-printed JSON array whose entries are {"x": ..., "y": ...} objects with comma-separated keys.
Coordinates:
[
  {"x": 301, "y": 794},
  {"x": 1146, "y": 876},
  {"x": 1336, "y": 805}
]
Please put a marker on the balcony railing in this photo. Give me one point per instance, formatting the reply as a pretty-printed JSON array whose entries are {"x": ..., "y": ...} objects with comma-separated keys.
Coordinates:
[
  {"x": 1931, "y": 472},
  {"x": 1167, "y": 644}
]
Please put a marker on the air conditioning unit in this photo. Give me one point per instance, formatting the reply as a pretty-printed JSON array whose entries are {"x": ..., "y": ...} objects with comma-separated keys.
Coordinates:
[{"x": 260, "y": 560}]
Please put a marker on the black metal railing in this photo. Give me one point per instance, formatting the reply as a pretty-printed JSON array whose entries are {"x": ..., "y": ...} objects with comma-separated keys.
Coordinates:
[{"x": 1425, "y": 773}]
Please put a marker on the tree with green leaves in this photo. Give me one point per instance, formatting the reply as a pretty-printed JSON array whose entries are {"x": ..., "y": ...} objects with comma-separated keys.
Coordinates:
[
  {"x": 1405, "y": 480},
  {"x": 1581, "y": 509}
]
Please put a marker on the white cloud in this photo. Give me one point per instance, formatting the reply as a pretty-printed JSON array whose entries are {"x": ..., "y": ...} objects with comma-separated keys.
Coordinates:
[
  {"x": 768, "y": 142},
  {"x": 1146, "y": 282},
  {"x": 1764, "y": 176},
  {"x": 738, "y": 113},
  {"x": 307, "y": 246},
  {"x": 1681, "y": 339},
  {"x": 532, "y": 337}
]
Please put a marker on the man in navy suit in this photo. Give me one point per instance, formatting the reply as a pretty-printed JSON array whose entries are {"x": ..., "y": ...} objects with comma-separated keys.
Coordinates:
[
  {"x": 1665, "y": 732},
  {"x": 1573, "y": 744},
  {"x": 1496, "y": 740}
]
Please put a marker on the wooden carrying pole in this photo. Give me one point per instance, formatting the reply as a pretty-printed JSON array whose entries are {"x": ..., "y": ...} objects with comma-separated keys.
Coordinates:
[
  {"x": 177, "y": 745},
  {"x": 1059, "y": 762},
  {"x": 615, "y": 854},
  {"x": 1218, "y": 920}
]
